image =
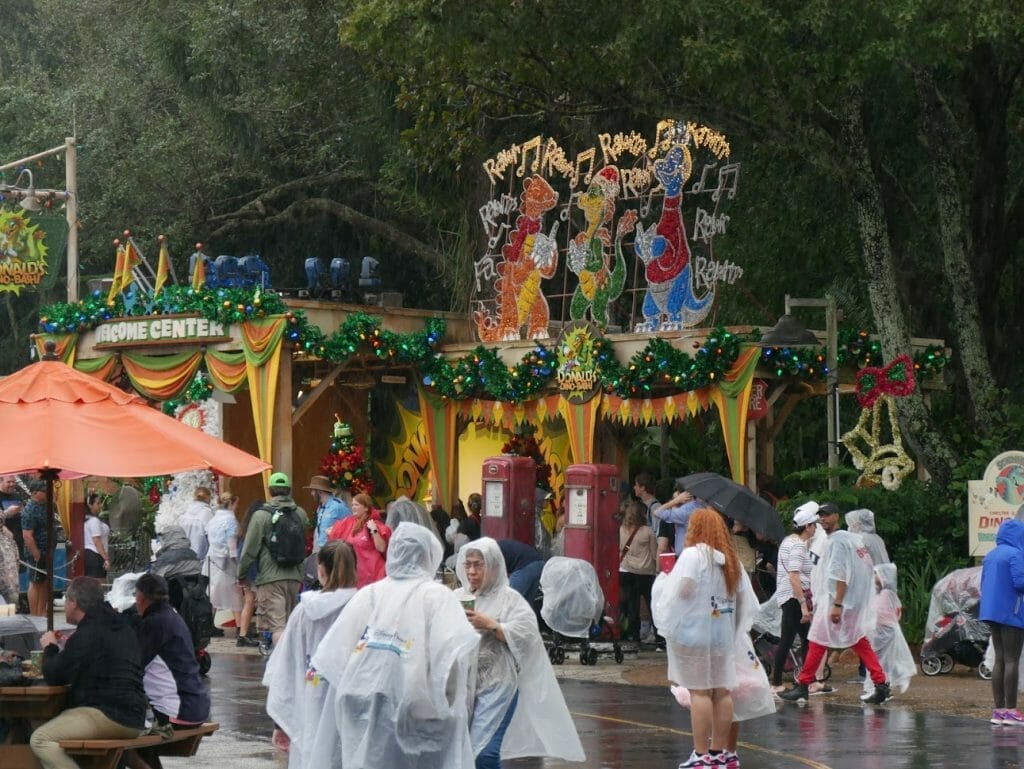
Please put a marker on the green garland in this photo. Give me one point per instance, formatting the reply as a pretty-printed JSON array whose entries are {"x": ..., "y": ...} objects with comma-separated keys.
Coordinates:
[{"x": 481, "y": 373}]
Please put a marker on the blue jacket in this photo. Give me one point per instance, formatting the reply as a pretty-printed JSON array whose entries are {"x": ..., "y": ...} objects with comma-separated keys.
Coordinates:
[
  {"x": 172, "y": 679},
  {"x": 1002, "y": 577}
]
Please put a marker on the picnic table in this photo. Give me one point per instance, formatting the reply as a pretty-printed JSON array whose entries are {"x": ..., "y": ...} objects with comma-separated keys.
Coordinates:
[{"x": 26, "y": 707}]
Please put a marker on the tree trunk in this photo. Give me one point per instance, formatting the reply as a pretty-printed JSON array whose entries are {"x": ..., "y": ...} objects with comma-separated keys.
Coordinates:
[
  {"x": 886, "y": 305},
  {"x": 957, "y": 252}
]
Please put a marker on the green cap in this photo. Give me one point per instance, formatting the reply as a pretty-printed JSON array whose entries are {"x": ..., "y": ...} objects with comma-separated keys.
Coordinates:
[{"x": 280, "y": 480}]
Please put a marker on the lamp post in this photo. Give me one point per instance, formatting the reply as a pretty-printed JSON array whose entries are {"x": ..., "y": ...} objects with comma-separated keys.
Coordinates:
[
  {"x": 790, "y": 332},
  {"x": 69, "y": 195}
]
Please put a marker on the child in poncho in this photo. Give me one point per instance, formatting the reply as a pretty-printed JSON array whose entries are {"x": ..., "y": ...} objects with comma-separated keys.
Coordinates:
[{"x": 887, "y": 640}]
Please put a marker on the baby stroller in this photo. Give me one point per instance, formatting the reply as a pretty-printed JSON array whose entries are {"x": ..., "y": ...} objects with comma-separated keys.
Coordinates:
[
  {"x": 573, "y": 611},
  {"x": 765, "y": 636},
  {"x": 953, "y": 634}
]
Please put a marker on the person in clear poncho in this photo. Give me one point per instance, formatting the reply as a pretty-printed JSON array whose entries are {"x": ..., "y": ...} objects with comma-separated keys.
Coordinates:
[
  {"x": 518, "y": 708},
  {"x": 700, "y": 607},
  {"x": 844, "y": 614},
  {"x": 863, "y": 522},
  {"x": 887, "y": 640},
  {"x": 297, "y": 695},
  {"x": 404, "y": 509},
  {"x": 400, "y": 660}
]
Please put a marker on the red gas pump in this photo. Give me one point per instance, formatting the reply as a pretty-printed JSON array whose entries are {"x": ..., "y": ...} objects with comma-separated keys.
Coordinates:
[
  {"x": 508, "y": 492},
  {"x": 591, "y": 529}
]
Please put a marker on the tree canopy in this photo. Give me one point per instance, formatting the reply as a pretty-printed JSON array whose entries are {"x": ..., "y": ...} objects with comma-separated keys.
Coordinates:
[{"x": 881, "y": 144}]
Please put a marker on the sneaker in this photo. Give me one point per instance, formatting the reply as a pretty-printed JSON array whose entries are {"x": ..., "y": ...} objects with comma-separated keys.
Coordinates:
[
  {"x": 696, "y": 761},
  {"x": 716, "y": 759},
  {"x": 798, "y": 693},
  {"x": 883, "y": 694},
  {"x": 244, "y": 640},
  {"x": 997, "y": 717},
  {"x": 820, "y": 688},
  {"x": 1013, "y": 717},
  {"x": 732, "y": 760}
]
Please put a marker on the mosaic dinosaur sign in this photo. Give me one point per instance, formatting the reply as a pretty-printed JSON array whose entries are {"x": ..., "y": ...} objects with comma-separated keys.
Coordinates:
[{"x": 621, "y": 233}]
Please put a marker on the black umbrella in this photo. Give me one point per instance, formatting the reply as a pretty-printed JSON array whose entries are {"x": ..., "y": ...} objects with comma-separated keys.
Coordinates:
[{"x": 736, "y": 501}]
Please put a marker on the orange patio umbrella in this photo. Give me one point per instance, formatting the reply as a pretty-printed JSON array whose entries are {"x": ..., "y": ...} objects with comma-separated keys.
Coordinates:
[{"x": 62, "y": 423}]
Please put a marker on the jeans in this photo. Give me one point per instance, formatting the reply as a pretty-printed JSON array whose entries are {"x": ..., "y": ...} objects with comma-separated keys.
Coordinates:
[
  {"x": 526, "y": 581},
  {"x": 80, "y": 723},
  {"x": 490, "y": 756}
]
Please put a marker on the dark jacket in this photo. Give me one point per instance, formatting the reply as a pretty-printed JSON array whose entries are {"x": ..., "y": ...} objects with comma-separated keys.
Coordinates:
[
  {"x": 517, "y": 554},
  {"x": 1002, "y": 577},
  {"x": 172, "y": 679},
  {"x": 103, "y": 666}
]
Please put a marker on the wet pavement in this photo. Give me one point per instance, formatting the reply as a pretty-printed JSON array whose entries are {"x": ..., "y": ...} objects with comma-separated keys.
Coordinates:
[{"x": 638, "y": 727}]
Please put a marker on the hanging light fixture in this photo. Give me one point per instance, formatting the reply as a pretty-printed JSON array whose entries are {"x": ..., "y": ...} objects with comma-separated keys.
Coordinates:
[{"x": 788, "y": 332}]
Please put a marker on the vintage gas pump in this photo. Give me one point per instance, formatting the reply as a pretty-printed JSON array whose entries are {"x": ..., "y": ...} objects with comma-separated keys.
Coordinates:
[
  {"x": 508, "y": 492},
  {"x": 591, "y": 528}
]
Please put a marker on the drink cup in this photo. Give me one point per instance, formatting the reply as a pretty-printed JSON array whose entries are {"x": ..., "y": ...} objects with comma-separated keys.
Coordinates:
[
  {"x": 37, "y": 662},
  {"x": 468, "y": 603},
  {"x": 666, "y": 561}
]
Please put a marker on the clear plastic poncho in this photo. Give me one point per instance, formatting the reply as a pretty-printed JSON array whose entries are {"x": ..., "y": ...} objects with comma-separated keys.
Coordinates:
[
  {"x": 541, "y": 725},
  {"x": 752, "y": 696},
  {"x": 887, "y": 641},
  {"x": 862, "y": 522},
  {"x": 700, "y": 619},
  {"x": 404, "y": 509},
  {"x": 953, "y": 611},
  {"x": 845, "y": 559},
  {"x": 297, "y": 695},
  {"x": 573, "y": 599},
  {"x": 769, "y": 617},
  {"x": 400, "y": 660}
]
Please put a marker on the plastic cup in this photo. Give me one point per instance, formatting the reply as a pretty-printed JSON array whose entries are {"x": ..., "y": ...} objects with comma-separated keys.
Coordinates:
[
  {"x": 468, "y": 603},
  {"x": 666, "y": 561}
]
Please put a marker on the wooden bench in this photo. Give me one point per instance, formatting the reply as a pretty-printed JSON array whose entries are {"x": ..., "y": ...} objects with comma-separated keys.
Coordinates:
[{"x": 107, "y": 754}]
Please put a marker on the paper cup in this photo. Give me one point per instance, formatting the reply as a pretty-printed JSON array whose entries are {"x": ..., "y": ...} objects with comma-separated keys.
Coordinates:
[
  {"x": 666, "y": 561},
  {"x": 468, "y": 603}
]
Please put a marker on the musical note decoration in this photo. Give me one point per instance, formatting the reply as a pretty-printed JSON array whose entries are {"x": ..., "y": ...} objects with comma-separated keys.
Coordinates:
[{"x": 564, "y": 232}]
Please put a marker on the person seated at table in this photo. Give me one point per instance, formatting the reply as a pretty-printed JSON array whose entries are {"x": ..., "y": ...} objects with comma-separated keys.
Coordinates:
[
  {"x": 171, "y": 679},
  {"x": 102, "y": 664}
]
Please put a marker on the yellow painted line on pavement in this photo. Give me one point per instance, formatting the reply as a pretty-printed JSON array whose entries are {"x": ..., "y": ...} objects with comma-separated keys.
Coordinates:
[{"x": 745, "y": 745}]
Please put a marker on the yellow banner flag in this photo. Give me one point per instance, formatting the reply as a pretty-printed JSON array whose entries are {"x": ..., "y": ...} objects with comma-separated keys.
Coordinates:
[
  {"x": 199, "y": 273},
  {"x": 115, "y": 287},
  {"x": 163, "y": 267},
  {"x": 132, "y": 259}
]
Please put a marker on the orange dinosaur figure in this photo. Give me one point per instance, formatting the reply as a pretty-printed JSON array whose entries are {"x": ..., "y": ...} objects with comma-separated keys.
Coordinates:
[{"x": 528, "y": 257}]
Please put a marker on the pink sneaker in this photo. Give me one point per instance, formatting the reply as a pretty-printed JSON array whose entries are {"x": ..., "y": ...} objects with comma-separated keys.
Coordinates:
[
  {"x": 1013, "y": 717},
  {"x": 997, "y": 717}
]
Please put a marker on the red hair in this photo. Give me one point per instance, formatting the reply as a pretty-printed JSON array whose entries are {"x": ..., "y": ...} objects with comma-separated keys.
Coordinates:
[{"x": 706, "y": 527}]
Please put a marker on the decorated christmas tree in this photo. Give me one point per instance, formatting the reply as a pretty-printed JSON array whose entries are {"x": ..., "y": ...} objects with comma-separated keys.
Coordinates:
[{"x": 346, "y": 464}]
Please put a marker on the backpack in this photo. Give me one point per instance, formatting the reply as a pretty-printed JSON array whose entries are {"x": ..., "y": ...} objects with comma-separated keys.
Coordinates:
[
  {"x": 197, "y": 611},
  {"x": 287, "y": 540}
]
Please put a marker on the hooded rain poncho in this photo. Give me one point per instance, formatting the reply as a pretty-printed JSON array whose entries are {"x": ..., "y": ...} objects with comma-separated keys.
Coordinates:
[
  {"x": 863, "y": 522},
  {"x": 888, "y": 642},
  {"x": 541, "y": 724},
  {"x": 400, "y": 660},
  {"x": 700, "y": 620},
  {"x": 297, "y": 694},
  {"x": 845, "y": 559}
]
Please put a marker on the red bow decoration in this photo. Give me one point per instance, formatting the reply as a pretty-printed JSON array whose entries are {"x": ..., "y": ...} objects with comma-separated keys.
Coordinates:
[{"x": 895, "y": 379}]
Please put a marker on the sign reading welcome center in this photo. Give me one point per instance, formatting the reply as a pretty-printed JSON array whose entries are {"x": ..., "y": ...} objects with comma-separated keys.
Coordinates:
[{"x": 162, "y": 329}]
